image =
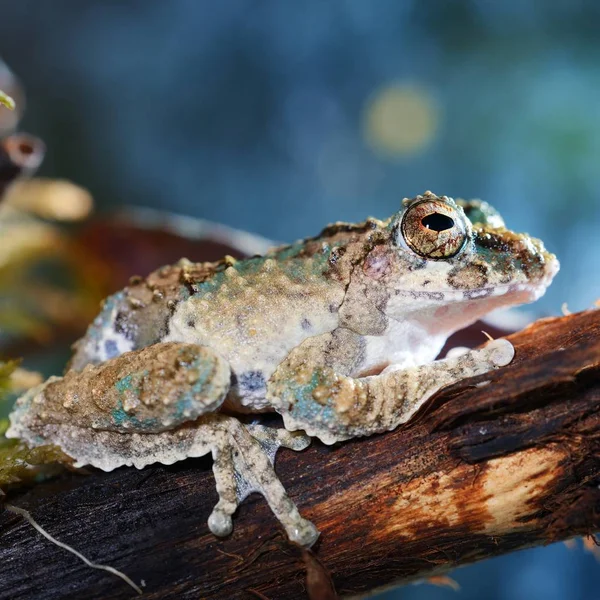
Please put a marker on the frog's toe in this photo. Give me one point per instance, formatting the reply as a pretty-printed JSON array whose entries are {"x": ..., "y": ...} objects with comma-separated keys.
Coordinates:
[
  {"x": 457, "y": 352},
  {"x": 500, "y": 352},
  {"x": 220, "y": 523},
  {"x": 294, "y": 440},
  {"x": 271, "y": 439},
  {"x": 304, "y": 533}
]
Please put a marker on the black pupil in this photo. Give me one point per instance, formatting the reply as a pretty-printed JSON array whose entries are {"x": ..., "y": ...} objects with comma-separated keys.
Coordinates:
[{"x": 437, "y": 222}]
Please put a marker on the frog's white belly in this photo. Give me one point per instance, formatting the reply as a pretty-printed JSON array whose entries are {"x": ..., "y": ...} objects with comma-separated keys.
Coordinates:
[
  {"x": 404, "y": 344},
  {"x": 254, "y": 342}
]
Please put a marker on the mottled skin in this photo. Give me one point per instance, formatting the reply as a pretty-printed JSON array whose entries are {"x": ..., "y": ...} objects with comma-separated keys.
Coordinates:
[{"x": 337, "y": 333}]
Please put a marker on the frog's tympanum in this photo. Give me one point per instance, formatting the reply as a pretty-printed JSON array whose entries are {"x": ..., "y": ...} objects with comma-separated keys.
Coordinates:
[{"x": 337, "y": 333}]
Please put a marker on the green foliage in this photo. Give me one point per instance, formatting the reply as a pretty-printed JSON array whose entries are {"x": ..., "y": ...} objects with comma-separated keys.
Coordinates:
[
  {"x": 6, "y": 101},
  {"x": 6, "y": 369},
  {"x": 18, "y": 463}
]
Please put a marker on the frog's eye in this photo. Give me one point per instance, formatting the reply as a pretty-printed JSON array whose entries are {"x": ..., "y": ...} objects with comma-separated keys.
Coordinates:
[{"x": 434, "y": 229}]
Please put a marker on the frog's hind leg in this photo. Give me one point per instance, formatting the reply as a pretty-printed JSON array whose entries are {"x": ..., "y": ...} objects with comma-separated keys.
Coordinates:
[
  {"x": 151, "y": 390},
  {"x": 244, "y": 464},
  {"x": 159, "y": 404}
]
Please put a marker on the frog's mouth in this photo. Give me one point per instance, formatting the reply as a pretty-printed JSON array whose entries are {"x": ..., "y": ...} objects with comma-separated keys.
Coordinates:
[
  {"x": 450, "y": 310},
  {"x": 530, "y": 290},
  {"x": 513, "y": 293},
  {"x": 519, "y": 293},
  {"x": 526, "y": 287}
]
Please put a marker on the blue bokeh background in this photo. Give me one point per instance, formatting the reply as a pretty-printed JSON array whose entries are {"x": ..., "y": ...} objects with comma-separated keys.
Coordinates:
[{"x": 280, "y": 116}]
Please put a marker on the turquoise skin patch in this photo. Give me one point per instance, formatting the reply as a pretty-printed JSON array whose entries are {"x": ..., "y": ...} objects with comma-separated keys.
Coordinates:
[
  {"x": 300, "y": 398},
  {"x": 196, "y": 395},
  {"x": 290, "y": 261},
  {"x": 104, "y": 319}
]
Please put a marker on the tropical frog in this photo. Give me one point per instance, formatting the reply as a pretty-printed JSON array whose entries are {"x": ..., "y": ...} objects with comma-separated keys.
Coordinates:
[{"x": 337, "y": 333}]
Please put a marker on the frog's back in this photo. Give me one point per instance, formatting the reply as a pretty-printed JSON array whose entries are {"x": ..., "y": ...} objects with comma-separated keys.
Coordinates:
[
  {"x": 138, "y": 315},
  {"x": 251, "y": 311}
]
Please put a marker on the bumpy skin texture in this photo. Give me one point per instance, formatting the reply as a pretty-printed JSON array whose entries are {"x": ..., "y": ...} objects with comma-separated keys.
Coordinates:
[{"x": 338, "y": 333}]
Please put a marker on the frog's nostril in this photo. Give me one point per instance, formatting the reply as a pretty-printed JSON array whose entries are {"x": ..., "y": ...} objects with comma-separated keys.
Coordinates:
[{"x": 437, "y": 222}]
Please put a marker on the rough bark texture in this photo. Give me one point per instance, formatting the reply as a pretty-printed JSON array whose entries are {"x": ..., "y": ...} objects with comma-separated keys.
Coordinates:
[{"x": 500, "y": 462}]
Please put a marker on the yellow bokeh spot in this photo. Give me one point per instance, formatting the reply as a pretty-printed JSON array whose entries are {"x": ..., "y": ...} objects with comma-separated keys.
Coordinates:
[
  {"x": 55, "y": 199},
  {"x": 400, "y": 120}
]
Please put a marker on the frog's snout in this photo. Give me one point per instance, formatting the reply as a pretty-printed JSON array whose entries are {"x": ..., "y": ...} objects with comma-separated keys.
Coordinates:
[
  {"x": 537, "y": 264},
  {"x": 516, "y": 257},
  {"x": 533, "y": 264},
  {"x": 552, "y": 266}
]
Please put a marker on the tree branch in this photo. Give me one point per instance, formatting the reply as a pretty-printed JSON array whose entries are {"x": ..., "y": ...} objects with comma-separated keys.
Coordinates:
[{"x": 503, "y": 461}]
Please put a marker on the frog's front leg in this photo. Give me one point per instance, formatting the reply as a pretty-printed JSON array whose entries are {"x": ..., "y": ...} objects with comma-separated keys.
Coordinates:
[
  {"x": 334, "y": 407},
  {"x": 158, "y": 404}
]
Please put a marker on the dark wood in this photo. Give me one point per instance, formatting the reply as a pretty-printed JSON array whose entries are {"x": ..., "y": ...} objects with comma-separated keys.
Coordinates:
[{"x": 483, "y": 470}]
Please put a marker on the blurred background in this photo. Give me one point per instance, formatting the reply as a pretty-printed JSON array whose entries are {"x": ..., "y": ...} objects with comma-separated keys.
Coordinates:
[{"x": 278, "y": 117}]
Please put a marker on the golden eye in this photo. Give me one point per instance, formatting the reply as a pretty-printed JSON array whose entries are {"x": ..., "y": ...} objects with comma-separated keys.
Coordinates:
[{"x": 434, "y": 229}]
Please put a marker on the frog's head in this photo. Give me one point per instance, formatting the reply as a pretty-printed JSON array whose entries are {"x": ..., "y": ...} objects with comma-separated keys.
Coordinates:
[{"x": 456, "y": 261}]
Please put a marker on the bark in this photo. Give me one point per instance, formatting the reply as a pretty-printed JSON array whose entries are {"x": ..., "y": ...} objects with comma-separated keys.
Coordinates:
[{"x": 497, "y": 463}]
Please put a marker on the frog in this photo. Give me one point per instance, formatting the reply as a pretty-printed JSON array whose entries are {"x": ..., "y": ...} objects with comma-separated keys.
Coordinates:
[{"x": 339, "y": 334}]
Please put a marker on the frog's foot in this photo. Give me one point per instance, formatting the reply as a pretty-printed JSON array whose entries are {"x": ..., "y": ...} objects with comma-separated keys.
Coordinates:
[
  {"x": 404, "y": 392},
  {"x": 244, "y": 464},
  {"x": 336, "y": 407}
]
